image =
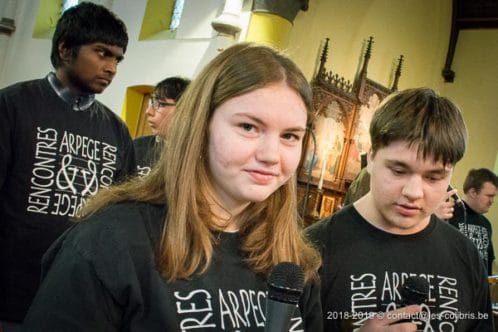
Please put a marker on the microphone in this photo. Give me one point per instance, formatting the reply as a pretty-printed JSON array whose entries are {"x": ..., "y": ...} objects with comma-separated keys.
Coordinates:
[
  {"x": 455, "y": 197},
  {"x": 415, "y": 290},
  {"x": 458, "y": 200},
  {"x": 285, "y": 286}
]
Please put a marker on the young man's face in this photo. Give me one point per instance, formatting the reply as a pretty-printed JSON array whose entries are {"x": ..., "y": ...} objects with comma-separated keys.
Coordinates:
[
  {"x": 405, "y": 189},
  {"x": 92, "y": 69},
  {"x": 159, "y": 114}
]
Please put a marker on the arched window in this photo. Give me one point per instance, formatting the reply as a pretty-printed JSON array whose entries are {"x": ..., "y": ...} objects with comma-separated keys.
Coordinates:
[
  {"x": 66, "y": 4},
  {"x": 177, "y": 15}
]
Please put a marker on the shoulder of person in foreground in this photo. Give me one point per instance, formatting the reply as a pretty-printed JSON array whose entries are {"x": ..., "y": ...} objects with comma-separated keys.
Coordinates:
[
  {"x": 114, "y": 226},
  {"x": 92, "y": 269},
  {"x": 322, "y": 233}
]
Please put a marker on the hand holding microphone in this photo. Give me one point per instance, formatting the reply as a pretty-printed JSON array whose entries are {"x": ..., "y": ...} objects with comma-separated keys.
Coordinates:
[
  {"x": 453, "y": 194},
  {"x": 446, "y": 209},
  {"x": 414, "y": 291}
]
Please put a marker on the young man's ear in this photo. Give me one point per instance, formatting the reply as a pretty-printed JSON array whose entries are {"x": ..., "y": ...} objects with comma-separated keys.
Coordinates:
[
  {"x": 369, "y": 160},
  {"x": 64, "y": 52},
  {"x": 472, "y": 192}
]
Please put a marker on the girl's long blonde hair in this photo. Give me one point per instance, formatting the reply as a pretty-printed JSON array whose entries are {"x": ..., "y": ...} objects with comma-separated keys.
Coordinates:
[{"x": 270, "y": 229}]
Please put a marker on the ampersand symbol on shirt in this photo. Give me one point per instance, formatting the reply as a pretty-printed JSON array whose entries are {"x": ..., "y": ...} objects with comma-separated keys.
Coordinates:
[{"x": 63, "y": 172}]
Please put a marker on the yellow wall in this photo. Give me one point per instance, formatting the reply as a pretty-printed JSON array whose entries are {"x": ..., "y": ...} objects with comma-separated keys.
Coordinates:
[
  {"x": 47, "y": 16},
  {"x": 420, "y": 31},
  {"x": 132, "y": 106},
  {"x": 156, "y": 21},
  {"x": 269, "y": 29}
]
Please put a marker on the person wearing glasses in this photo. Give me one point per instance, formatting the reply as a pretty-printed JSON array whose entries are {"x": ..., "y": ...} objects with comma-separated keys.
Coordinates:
[
  {"x": 162, "y": 104},
  {"x": 58, "y": 147}
]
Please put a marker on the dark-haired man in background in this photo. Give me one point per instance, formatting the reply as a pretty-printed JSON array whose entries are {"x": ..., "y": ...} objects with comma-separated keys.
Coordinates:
[
  {"x": 479, "y": 188},
  {"x": 58, "y": 146}
]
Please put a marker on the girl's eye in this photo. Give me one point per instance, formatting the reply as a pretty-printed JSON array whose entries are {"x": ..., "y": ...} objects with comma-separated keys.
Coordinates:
[
  {"x": 291, "y": 137},
  {"x": 246, "y": 126}
]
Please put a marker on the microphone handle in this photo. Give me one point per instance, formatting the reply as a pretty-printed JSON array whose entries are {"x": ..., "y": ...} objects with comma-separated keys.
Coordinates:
[
  {"x": 278, "y": 316},
  {"x": 455, "y": 197}
]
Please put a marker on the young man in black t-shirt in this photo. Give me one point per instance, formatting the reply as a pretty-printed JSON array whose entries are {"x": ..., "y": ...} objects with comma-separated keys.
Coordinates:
[
  {"x": 371, "y": 247},
  {"x": 58, "y": 146},
  {"x": 480, "y": 188}
]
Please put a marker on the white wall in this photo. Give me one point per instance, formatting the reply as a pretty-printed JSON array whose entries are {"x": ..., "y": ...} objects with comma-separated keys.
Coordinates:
[{"x": 146, "y": 62}]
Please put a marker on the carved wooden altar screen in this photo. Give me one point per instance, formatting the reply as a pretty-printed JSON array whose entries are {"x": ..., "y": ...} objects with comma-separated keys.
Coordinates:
[{"x": 332, "y": 159}]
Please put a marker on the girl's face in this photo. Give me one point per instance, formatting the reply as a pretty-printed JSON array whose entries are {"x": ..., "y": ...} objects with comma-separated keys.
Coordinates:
[{"x": 255, "y": 143}]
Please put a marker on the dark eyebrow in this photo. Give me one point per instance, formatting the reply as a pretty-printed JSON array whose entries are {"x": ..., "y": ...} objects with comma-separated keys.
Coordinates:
[
  {"x": 438, "y": 172},
  {"x": 397, "y": 163}
]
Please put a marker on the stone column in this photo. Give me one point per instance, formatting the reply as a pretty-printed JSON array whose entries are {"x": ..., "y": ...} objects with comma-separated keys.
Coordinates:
[{"x": 271, "y": 21}]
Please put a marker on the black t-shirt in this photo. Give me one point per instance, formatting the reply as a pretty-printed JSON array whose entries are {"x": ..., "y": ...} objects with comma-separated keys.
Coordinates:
[
  {"x": 101, "y": 276},
  {"x": 51, "y": 159},
  {"x": 147, "y": 151},
  {"x": 477, "y": 228},
  {"x": 364, "y": 267}
]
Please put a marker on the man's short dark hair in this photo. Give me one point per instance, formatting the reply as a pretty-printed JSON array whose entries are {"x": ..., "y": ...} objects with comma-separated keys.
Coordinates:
[
  {"x": 424, "y": 119},
  {"x": 171, "y": 87},
  {"x": 477, "y": 177},
  {"x": 87, "y": 23}
]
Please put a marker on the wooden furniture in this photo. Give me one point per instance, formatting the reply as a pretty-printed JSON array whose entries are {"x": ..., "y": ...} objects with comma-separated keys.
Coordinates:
[
  {"x": 332, "y": 157},
  {"x": 474, "y": 14}
]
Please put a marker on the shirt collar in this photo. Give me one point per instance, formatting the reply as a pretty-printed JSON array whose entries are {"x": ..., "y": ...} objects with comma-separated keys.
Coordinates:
[{"x": 78, "y": 102}]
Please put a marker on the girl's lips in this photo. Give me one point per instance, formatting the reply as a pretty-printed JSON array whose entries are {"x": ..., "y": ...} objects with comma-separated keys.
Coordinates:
[{"x": 261, "y": 177}]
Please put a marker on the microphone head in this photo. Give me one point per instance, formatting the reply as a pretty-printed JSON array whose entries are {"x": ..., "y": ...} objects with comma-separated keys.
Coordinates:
[
  {"x": 415, "y": 290},
  {"x": 455, "y": 197},
  {"x": 286, "y": 283}
]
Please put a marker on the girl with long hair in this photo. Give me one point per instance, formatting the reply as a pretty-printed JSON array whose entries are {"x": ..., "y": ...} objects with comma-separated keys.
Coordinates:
[{"x": 191, "y": 245}]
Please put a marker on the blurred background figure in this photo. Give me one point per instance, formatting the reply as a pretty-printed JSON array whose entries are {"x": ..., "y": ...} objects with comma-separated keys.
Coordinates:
[
  {"x": 162, "y": 104},
  {"x": 360, "y": 185},
  {"x": 479, "y": 190}
]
